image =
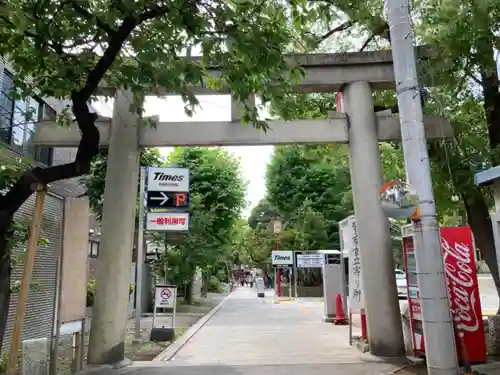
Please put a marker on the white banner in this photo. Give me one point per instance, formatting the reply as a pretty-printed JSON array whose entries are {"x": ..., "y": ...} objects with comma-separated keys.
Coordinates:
[
  {"x": 350, "y": 240},
  {"x": 165, "y": 296}
]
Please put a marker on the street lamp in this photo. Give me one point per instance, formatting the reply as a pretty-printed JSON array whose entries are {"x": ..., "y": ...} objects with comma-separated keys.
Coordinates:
[
  {"x": 93, "y": 243},
  {"x": 277, "y": 275},
  {"x": 276, "y": 225}
]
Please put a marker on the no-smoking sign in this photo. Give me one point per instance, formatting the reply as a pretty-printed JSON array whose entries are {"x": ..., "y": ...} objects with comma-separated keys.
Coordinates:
[
  {"x": 166, "y": 293},
  {"x": 165, "y": 296}
]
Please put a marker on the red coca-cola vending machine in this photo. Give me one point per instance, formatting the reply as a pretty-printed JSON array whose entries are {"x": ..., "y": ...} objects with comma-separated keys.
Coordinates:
[{"x": 463, "y": 290}]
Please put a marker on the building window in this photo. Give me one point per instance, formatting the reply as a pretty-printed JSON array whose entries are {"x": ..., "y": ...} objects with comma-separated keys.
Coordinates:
[
  {"x": 93, "y": 249},
  {"x": 18, "y": 118}
]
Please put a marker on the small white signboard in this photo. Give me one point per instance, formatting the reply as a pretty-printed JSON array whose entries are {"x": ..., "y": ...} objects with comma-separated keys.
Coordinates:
[
  {"x": 167, "y": 221},
  {"x": 350, "y": 241},
  {"x": 165, "y": 296},
  {"x": 311, "y": 260},
  {"x": 282, "y": 258},
  {"x": 168, "y": 179}
]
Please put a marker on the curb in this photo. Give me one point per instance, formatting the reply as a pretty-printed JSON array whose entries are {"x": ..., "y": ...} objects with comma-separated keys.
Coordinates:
[
  {"x": 370, "y": 358},
  {"x": 177, "y": 345}
]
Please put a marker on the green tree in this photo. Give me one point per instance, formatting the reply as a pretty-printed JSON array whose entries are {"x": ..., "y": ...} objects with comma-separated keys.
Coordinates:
[
  {"x": 257, "y": 244},
  {"x": 465, "y": 68},
  {"x": 95, "y": 180},
  {"x": 312, "y": 229},
  {"x": 69, "y": 47},
  {"x": 318, "y": 175},
  {"x": 18, "y": 232},
  {"x": 218, "y": 196},
  {"x": 199, "y": 247},
  {"x": 262, "y": 213},
  {"x": 216, "y": 176}
]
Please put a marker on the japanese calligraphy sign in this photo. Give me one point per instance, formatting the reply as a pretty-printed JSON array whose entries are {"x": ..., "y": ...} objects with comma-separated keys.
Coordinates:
[{"x": 351, "y": 243}]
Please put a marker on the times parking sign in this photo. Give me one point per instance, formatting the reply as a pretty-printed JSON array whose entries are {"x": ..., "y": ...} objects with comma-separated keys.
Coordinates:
[{"x": 282, "y": 259}]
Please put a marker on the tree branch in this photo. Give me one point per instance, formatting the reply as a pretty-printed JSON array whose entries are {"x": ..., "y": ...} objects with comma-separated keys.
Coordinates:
[
  {"x": 85, "y": 13},
  {"x": 106, "y": 60},
  {"x": 365, "y": 44},
  {"x": 89, "y": 143},
  {"x": 157, "y": 11},
  {"x": 341, "y": 27}
]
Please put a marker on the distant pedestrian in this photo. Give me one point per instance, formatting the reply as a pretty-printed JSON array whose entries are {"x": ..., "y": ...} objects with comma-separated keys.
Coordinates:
[{"x": 249, "y": 280}]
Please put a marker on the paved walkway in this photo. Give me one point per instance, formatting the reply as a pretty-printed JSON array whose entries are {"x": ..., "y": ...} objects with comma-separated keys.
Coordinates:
[
  {"x": 252, "y": 336},
  {"x": 252, "y": 331}
]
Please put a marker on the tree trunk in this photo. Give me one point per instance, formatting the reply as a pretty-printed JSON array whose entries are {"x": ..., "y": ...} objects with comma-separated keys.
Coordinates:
[
  {"x": 206, "y": 284},
  {"x": 188, "y": 298},
  {"x": 480, "y": 223}
]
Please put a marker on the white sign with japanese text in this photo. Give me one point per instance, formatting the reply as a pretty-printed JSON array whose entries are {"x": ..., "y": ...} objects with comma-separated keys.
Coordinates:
[
  {"x": 351, "y": 243},
  {"x": 167, "y": 221},
  {"x": 311, "y": 259},
  {"x": 165, "y": 296}
]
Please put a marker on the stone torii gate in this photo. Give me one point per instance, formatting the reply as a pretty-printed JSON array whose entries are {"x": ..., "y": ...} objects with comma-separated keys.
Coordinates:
[{"x": 353, "y": 74}]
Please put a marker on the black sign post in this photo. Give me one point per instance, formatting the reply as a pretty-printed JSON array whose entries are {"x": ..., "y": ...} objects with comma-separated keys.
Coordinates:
[{"x": 167, "y": 199}]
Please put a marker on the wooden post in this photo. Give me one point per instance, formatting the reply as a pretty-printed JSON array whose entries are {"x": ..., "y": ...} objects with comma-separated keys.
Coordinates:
[{"x": 29, "y": 262}]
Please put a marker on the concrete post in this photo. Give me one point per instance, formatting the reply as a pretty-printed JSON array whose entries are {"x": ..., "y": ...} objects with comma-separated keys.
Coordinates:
[
  {"x": 110, "y": 310},
  {"x": 332, "y": 286},
  {"x": 380, "y": 293}
]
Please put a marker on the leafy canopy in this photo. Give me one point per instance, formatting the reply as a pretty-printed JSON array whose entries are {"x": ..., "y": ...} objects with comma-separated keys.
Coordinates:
[
  {"x": 217, "y": 198},
  {"x": 216, "y": 176},
  {"x": 67, "y": 47},
  {"x": 95, "y": 181}
]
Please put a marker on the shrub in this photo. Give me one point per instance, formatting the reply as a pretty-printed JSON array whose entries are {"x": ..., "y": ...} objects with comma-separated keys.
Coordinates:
[
  {"x": 214, "y": 285},
  {"x": 4, "y": 359},
  {"x": 90, "y": 292}
]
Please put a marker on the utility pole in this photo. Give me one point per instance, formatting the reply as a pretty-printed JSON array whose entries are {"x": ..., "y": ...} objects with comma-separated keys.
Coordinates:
[
  {"x": 277, "y": 272},
  {"x": 436, "y": 315},
  {"x": 139, "y": 265}
]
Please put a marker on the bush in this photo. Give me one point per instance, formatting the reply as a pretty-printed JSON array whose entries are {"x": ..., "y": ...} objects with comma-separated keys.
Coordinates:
[
  {"x": 4, "y": 359},
  {"x": 91, "y": 292},
  {"x": 214, "y": 285}
]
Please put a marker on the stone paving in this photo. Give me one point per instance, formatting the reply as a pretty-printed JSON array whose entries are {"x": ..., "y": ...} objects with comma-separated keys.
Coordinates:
[
  {"x": 251, "y": 336},
  {"x": 251, "y": 331}
]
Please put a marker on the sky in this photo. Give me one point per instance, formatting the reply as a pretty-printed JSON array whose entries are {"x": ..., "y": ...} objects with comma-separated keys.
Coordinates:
[{"x": 253, "y": 159}]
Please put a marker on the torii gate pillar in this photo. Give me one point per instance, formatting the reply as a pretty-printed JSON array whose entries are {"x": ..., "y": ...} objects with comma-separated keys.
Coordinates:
[
  {"x": 110, "y": 310},
  {"x": 379, "y": 285}
]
